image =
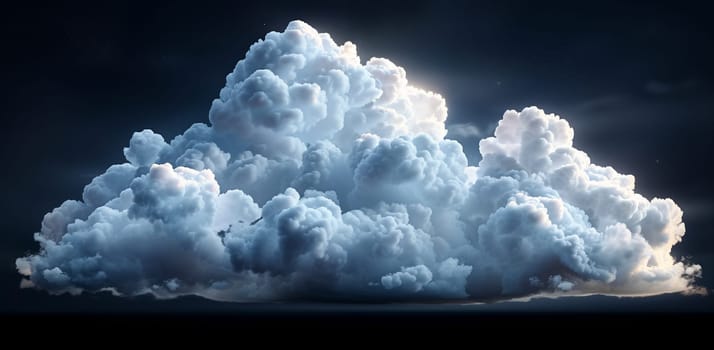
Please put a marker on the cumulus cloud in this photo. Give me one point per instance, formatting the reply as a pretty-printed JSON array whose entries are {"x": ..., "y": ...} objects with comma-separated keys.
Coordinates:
[{"x": 321, "y": 177}]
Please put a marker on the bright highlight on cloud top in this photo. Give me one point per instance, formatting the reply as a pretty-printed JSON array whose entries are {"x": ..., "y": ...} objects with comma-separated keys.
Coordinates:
[{"x": 319, "y": 177}]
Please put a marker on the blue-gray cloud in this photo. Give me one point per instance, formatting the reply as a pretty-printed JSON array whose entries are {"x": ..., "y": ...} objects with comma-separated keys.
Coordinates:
[{"x": 322, "y": 177}]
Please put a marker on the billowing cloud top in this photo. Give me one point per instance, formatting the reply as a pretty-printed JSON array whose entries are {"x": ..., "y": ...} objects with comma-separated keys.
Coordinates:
[{"x": 320, "y": 177}]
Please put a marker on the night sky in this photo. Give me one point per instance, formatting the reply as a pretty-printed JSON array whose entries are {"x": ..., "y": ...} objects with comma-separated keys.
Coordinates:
[{"x": 635, "y": 81}]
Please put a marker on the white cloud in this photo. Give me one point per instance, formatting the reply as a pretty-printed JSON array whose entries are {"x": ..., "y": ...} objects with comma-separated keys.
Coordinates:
[
  {"x": 321, "y": 177},
  {"x": 464, "y": 130},
  {"x": 144, "y": 148}
]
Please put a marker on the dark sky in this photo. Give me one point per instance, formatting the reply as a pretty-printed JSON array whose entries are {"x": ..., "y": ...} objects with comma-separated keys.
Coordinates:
[{"x": 636, "y": 81}]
